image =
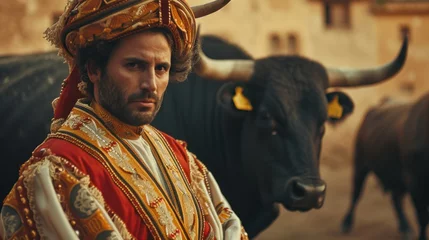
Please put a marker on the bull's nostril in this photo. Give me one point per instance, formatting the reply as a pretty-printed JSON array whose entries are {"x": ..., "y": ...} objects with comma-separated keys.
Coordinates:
[
  {"x": 297, "y": 190},
  {"x": 304, "y": 193},
  {"x": 320, "y": 200}
]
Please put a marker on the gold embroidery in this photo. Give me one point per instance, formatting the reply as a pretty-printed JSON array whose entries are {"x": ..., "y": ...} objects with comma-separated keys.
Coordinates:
[
  {"x": 244, "y": 235},
  {"x": 84, "y": 203},
  {"x": 120, "y": 225},
  {"x": 29, "y": 175},
  {"x": 86, "y": 125},
  {"x": 119, "y": 128},
  {"x": 96, "y": 134},
  {"x": 82, "y": 124},
  {"x": 94, "y": 225},
  {"x": 179, "y": 180},
  {"x": 11, "y": 220},
  {"x": 114, "y": 176},
  {"x": 211, "y": 235},
  {"x": 69, "y": 183},
  {"x": 196, "y": 178},
  {"x": 96, "y": 194},
  {"x": 75, "y": 28},
  {"x": 223, "y": 212}
]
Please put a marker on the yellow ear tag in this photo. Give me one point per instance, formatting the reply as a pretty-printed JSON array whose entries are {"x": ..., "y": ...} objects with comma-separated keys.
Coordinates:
[
  {"x": 335, "y": 110},
  {"x": 240, "y": 101}
]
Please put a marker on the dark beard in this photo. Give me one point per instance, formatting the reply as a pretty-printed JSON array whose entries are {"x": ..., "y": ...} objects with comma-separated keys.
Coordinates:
[{"x": 114, "y": 101}]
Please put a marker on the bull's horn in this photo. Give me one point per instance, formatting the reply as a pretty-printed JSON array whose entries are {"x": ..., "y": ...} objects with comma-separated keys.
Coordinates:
[
  {"x": 349, "y": 78},
  {"x": 224, "y": 70},
  {"x": 209, "y": 8}
]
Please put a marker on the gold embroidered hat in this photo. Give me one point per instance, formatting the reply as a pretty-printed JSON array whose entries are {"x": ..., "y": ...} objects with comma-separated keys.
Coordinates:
[{"x": 87, "y": 21}]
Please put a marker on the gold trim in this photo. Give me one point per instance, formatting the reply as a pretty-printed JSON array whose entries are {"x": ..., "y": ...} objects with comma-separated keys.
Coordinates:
[
  {"x": 96, "y": 20},
  {"x": 148, "y": 197},
  {"x": 121, "y": 129},
  {"x": 176, "y": 172},
  {"x": 171, "y": 191},
  {"x": 114, "y": 177}
]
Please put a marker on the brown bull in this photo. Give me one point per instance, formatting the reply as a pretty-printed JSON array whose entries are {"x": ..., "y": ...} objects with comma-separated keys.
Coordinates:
[{"x": 393, "y": 142}]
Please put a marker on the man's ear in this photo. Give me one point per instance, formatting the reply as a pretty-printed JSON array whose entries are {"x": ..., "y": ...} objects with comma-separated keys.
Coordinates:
[
  {"x": 94, "y": 73},
  {"x": 232, "y": 97},
  {"x": 340, "y": 106}
]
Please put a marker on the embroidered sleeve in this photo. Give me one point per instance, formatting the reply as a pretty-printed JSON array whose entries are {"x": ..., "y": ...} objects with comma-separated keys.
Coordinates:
[
  {"x": 53, "y": 200},
  {"x": 224, "y": 221}
]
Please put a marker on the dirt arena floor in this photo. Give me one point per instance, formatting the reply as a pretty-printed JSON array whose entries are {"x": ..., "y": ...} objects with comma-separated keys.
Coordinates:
[{"x": 374, "y": 218}]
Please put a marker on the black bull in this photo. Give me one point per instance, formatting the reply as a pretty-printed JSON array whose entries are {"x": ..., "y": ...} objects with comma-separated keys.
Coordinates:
[
  {"x": 393, "y": 142},
  {"x": 260, "y": 157}
]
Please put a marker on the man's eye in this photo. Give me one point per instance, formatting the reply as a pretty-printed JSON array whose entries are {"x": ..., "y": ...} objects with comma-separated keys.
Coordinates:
[
  {"x": 161, "y": 68},
  {"x": 131, "y": 65}
]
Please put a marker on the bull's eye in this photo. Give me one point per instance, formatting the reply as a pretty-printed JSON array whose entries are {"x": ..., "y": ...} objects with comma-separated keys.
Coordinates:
[
  {"x": 267, "y": 123},
  {"x": 265, "y": 116}
]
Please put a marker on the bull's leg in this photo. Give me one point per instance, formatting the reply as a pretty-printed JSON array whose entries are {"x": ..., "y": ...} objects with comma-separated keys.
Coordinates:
[
  {"x": 421, "y": 212},
  {"x": 404, "y": 227},
  {"x": 358, "y": 182}
]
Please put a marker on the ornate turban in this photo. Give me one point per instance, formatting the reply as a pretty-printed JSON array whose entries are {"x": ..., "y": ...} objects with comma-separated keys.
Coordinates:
[{"x": 87, "y": 21}]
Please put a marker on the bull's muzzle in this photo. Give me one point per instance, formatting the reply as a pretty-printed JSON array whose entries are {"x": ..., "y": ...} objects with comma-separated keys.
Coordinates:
[{"x": 303, "y": 194}]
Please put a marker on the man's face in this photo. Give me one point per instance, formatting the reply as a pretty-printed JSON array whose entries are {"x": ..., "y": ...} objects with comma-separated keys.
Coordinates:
[{"x": 136, "y": 76}]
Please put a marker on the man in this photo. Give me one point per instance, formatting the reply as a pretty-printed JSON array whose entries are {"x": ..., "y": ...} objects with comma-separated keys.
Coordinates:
[{"x": 104, "y": 172}]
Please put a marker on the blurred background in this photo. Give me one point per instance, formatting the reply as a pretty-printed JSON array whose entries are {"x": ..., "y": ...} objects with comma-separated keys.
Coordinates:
[{"x": 339, "y": 33}]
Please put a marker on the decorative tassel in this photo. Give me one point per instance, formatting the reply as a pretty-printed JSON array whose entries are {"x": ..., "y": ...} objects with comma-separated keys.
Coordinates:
[{"x": 69, "y": 95}]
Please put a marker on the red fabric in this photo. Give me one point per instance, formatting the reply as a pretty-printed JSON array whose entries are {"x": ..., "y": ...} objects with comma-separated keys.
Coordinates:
[
  {"x": 113, "y": 195},
  {"x": 69, "y": 95}
]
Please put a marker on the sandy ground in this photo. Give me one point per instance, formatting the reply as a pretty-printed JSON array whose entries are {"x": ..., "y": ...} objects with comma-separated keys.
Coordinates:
[{"x": 374, "y": 218}]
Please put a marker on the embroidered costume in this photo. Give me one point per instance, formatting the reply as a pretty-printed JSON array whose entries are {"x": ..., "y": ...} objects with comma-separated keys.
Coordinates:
[
  {"x": 95, "y": 177},
  {"x": 87, "y": 182}
]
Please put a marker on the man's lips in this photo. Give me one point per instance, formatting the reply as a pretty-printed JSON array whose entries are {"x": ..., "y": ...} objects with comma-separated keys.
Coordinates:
[
  {"x": 147, "y": 103},
  {"x": 146, "y": 100}
]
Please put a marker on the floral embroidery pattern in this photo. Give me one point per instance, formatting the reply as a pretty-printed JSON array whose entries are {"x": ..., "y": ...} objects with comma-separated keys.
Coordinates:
[
  {"x": 11, "y": 220},
  {"x": 178, "y": 182},
  {"x": 84, "y": 202},
  {"x": 165, "y": 217},
  {"x": 89, "y": 127}
]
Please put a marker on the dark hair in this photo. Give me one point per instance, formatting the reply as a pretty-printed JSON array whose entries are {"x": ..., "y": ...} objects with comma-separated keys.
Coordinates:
[{"x": 100, "y": 52}]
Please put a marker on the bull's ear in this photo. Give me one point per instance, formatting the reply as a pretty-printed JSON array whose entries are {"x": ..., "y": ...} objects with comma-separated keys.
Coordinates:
[
  {"x": 232, "y": 97},
  {"x": 340, "y": 106}
]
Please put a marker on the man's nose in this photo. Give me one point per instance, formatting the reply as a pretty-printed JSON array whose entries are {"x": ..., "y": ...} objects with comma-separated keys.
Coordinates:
[{"x": 148, "y": 80}]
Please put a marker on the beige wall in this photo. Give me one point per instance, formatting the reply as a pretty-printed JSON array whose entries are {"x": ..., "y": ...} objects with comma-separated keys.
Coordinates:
[
  {"x": 250, "y": 22},
  {"x": 250, "y": 28},
  {"x": 23, "y": 23},
  {"x": 416, "y": 69},
  {"x": 352, "y": 47}
]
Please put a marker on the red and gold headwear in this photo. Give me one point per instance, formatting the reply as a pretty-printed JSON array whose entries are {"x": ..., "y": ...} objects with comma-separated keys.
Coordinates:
[{"x": 87, "y": 21}]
